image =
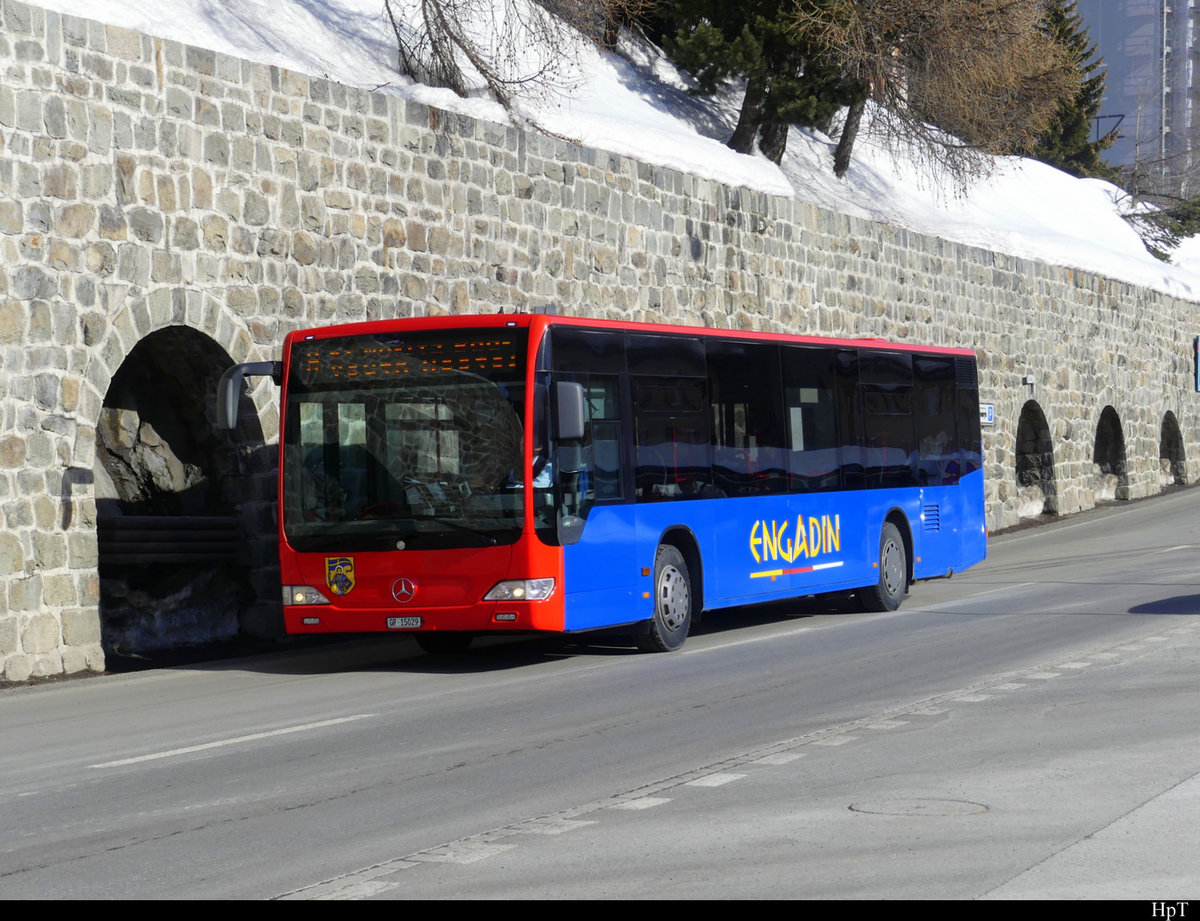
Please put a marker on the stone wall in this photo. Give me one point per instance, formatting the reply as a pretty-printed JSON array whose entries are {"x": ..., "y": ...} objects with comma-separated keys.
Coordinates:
[{"x": 147, "y": 187}]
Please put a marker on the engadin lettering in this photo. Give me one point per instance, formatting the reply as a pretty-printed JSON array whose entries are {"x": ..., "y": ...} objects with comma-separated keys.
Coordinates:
[{"x": 794, "y": 542}]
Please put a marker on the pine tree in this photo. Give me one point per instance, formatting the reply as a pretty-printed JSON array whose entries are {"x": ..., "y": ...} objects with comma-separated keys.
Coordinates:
[
  {"x": 786, "y": 83},
  {"x": 1069, "y": 145}
]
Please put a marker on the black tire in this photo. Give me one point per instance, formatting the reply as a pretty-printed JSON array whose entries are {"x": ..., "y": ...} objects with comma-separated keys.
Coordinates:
[
  {"x": 443, "y": 644},
  {"x": 887, "y": 594},
  {"x": 673, "y": 603}
]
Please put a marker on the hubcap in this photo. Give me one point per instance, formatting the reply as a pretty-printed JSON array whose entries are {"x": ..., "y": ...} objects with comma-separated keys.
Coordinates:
[
  {"x": 674, "y": 601},
  {"x": 893, "y": 568}
]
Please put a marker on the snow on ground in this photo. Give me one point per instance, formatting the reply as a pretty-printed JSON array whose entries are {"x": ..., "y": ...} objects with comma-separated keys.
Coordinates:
[{"x": 637, "y": 104}]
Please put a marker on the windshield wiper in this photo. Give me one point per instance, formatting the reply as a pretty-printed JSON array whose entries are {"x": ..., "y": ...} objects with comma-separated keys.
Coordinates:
[{"x": 456, "y": 526}]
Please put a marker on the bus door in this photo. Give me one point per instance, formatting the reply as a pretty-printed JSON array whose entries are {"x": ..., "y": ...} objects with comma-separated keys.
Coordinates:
[
  {"x": 940, "y": 465},
  {"x": 594, "y": 521}
]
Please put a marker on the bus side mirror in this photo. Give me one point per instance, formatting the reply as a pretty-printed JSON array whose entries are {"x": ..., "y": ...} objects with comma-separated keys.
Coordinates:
[
  {"x": 569, "y": 414},
  {"x": 229, "y": 390},
  {"x": 570, "y": 529}
]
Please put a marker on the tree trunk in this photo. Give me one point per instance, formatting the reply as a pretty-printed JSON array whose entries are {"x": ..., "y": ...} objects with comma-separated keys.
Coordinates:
[
  {"x": 841, "y": 156},
  {"x": 750, "y": 117},
  {"x": 774, "y": 137}
]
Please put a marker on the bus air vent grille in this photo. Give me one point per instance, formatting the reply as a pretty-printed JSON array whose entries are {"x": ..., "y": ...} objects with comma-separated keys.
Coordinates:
[
  {"x": 965, "y": 373},
  {"x": 931, "y": 515}
]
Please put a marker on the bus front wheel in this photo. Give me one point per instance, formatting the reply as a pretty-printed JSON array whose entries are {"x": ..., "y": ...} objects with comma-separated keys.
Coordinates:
[
  {"x": 889, "y": 591},
  {"x": 672, "y": 602}
]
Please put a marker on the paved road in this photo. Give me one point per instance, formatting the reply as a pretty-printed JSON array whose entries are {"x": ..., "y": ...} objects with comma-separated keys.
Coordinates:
[{"x": 1026, "y": 729}]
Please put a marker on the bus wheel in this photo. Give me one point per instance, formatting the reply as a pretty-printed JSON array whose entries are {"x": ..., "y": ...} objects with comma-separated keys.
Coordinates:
[
  {"x": 443, "y": 644},
  {"x": 893, "y": 573},
  {"x": 672, "y": 603}
]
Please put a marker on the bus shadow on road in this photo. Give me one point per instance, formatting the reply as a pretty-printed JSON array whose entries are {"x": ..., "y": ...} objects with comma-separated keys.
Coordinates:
[
  {"x": 399, "y": 653},
  {"x": 497, "y": 653},
  {"x": 715, "y": 623},
  {"x": 500, "y": 653}
]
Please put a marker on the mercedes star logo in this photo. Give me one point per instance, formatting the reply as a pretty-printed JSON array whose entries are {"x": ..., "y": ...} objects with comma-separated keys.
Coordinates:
[{"x": 404, "y": 590}]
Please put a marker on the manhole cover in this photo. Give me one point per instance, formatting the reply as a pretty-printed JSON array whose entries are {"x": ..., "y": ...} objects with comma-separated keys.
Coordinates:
[{"x": 930, "y": 807}]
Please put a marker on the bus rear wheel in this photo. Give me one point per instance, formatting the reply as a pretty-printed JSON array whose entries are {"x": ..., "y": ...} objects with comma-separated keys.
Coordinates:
[
  {"x": 443, "y": 644},
  {"x": 672, "y": 602},
  {"x": 887, "y": 594}
]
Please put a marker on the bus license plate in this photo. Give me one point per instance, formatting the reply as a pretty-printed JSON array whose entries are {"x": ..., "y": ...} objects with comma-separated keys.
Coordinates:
[{"x": 403, "y": 623}]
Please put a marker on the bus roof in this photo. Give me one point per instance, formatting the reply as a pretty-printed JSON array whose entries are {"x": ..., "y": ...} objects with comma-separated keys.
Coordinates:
[{"x": 540, "y": 321}]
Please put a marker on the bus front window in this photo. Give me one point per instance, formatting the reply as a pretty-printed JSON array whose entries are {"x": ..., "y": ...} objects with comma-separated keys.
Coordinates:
[{"x": 407, "y": 443}]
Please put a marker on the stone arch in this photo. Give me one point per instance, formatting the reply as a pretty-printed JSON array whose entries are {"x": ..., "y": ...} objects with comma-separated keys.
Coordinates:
[
  {"x": 1171, "y": 457},
  {"x": 1036, "y": 485},
  {"x": 1108, "y": 456},
  {"x": 177, "y": 521}
]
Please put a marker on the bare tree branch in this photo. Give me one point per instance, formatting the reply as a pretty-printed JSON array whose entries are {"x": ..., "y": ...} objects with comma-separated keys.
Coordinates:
[
  {"x": 956, "y": 80},
  {"x": 501, "y": 47}
]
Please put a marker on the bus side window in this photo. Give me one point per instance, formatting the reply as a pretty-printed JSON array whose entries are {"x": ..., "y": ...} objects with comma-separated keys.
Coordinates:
[
  {"x": 590, "y": 471},
  {"x": 815, "y": 454},
  {"x": 886, "y": 400},
  {"x": 937, "y": 438},
  {"x": 606, "y": 460},
  {"x": 747, "y": 418},
  {"x": 673, "y": 454}
]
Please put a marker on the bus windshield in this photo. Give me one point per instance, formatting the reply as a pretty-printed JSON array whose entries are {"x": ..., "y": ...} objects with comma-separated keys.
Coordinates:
[{"x": 404, "y": 440}]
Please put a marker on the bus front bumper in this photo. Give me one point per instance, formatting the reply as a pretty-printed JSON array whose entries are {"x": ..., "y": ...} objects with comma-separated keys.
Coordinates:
[{"x": 485, "y": 616}]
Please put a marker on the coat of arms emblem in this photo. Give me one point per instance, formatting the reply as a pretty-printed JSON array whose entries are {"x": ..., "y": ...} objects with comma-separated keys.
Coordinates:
[{"x": 339, "y": 574}]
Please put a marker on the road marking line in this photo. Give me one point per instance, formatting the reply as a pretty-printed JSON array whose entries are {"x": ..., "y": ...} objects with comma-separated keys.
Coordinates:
[
  {"x": 223, "y": 743},
  {"x": 358, "y": 891},
  {"x": 834, "y": 740},
  {"x": 1010, "y": 686},
  {"x": 460, "y": 852},
  {"x": 887, "y": 724},
  {"x": 729, "y": 644},
  {"x": 1043, "y": 676},
  {"x": 973, "y": 698},
  {"x": 779, "y": 758},
  {"x": 642, "y": 802},
  {"x": 961, "y": 598},
  {"x": 713, "y": 780},
  {"x": 552, "y": 826}
]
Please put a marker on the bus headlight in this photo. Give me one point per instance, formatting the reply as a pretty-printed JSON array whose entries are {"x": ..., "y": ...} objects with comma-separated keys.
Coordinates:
[
  {"x": 521, "y": 590},
  {"x": 302, "y": 594}
]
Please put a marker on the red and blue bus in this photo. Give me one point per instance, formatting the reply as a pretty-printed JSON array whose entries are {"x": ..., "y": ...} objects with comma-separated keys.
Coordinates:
[{"x": 454, "y": 476}]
